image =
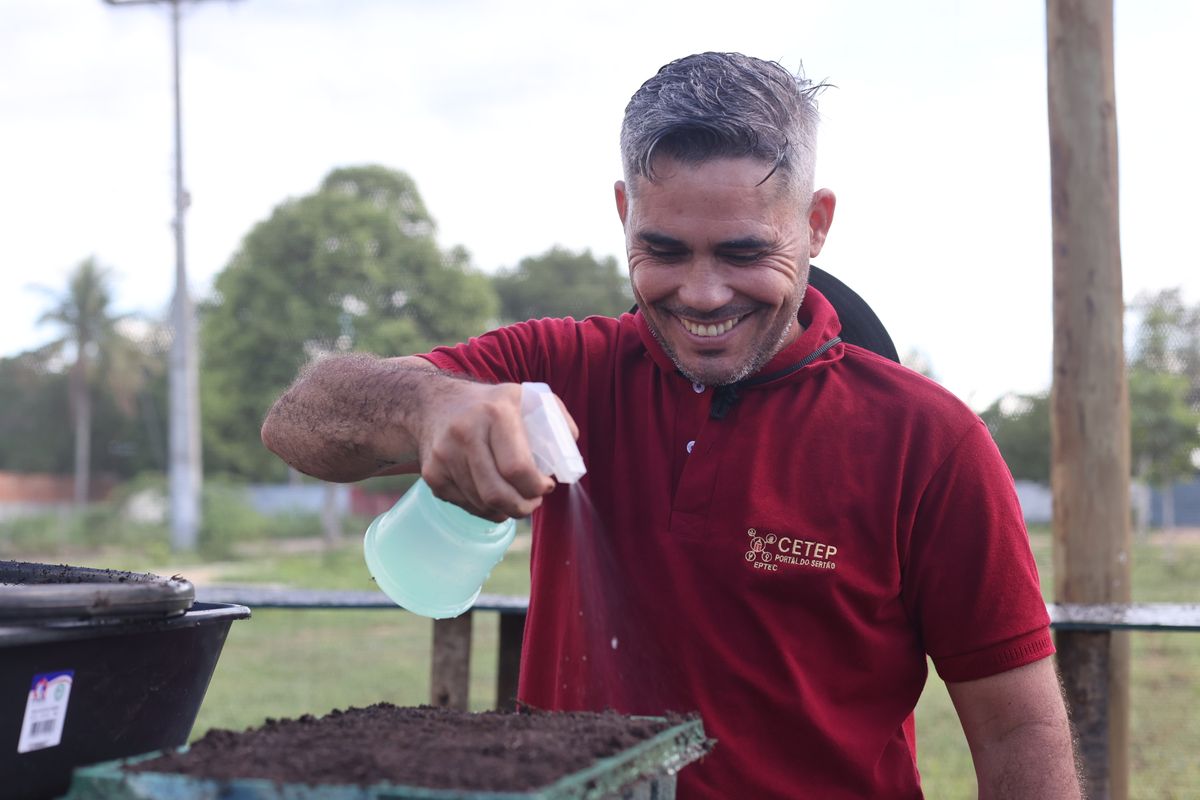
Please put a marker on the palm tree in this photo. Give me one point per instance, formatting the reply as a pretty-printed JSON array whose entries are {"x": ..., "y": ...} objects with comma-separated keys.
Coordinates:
[{"x": 91, "y": 338}]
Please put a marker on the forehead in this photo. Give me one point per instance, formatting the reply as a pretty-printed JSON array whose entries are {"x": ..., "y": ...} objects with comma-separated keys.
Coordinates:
[{"x": 723, "y": 190}]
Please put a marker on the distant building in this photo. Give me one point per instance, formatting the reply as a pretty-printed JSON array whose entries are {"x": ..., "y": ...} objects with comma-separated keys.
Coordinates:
[
  {"x": 26, "y": 493},
  {"x": 1186, "y": 501},
  {"x": 1035, "y": 502},
  {"x": 1037, "y": 506}
]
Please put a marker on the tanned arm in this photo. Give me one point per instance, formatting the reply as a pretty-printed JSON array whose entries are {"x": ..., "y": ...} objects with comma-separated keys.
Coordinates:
[
  {"x": 351, "y": 417},
  {"x": 1016, "y": 726}
]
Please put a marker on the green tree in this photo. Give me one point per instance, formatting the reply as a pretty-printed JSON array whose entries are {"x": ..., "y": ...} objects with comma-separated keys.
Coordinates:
[
  {"x": 33, "y": 406},
  {"x": 352, "y": 266},
  {"x": 1165, "y": 430},
  {"x": 97, "y": 353},
  {"x": 1167, "y": 338},
  {"x": 1164, "y": 388},
  {"x": 561, "y": 283},
  {"x": 1164, "y": 392},
  {"x": 1020, "y": 425}
]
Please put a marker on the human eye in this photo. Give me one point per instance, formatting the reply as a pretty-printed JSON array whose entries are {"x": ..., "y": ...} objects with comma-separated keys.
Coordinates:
[
  {"x": 665, "y": 253},
  {"x": 743, "y": 257}
]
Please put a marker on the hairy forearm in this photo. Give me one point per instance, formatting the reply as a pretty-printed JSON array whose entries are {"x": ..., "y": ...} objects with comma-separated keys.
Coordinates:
[
  {"x": 1020, "y": 739},
  {"x": 350, "y": 417},
  {"x": 1034, "y": 760}
]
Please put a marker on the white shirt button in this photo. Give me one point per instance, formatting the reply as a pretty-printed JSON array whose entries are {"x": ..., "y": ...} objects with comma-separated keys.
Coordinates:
[
  {"x": 698, "y": 388},
  {"x": 690, "y": 445}
]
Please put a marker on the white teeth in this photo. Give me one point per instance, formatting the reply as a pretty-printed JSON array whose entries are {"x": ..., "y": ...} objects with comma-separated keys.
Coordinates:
[{"x": 697, "y": 329}]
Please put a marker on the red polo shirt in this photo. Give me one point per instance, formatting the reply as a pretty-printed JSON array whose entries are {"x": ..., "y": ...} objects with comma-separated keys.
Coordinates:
[{"x": 783, "y": 570}]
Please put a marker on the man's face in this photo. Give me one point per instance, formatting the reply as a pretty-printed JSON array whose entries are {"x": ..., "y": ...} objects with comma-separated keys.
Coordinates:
[{"x": 719, "y": 263}]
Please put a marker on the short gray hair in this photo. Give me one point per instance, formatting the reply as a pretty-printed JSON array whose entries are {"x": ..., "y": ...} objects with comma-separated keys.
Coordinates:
[{"x": 723, "y": 105}]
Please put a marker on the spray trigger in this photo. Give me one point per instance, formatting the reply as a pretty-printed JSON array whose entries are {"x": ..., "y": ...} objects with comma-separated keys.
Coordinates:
[{"x": 554, "y": 449}]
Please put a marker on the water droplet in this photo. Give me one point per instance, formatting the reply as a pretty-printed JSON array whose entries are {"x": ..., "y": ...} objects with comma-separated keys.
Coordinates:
[{"x": 614, "y": 643}]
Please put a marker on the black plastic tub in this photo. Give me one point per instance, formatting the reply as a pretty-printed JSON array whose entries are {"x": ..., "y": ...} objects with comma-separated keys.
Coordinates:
[{"x": 97, "y": 665}]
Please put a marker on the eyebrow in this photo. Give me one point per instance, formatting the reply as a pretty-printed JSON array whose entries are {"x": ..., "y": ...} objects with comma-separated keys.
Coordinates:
[
  {"x": 661, "y": 240},
  {"x": 669, "y": 242}
]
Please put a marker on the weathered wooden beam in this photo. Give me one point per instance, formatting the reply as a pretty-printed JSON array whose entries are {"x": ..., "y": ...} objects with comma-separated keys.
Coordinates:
[
  {"x": 259, "y": 596},
  {"x": 450, "y": 673},
  {"x": 1089, "y": 396},
  {"x": 1125, "y": 616},
  {"x": 508, "y": 660},
  {"x": 1063, "y": 616}
]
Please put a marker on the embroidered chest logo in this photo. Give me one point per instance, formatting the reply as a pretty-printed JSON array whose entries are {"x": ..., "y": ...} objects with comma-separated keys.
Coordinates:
[{"x": 771, "y": 553}]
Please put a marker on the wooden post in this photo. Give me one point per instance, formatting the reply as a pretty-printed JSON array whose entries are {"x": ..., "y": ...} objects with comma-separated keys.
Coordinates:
[
  {"x": 1090, "y": 418},
  {"x": 508, "y": 660},
  {"x": 450, "y": 677}
]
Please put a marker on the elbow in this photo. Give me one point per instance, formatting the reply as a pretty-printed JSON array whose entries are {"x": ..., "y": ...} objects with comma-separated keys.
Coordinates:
[
  {"x": 267, "y": 433},
  {"x": 284, "y": 444},
  {"x": 272, "y": 435}
]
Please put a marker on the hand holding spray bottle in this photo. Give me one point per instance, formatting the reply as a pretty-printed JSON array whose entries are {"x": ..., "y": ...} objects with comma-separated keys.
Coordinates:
[{"x": 432, "y": 557}]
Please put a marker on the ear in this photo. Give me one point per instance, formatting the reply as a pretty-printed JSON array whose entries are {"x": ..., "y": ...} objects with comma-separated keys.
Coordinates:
[
  {"x": 820, "y": 217},
  {"x": 622, "y": 200}
]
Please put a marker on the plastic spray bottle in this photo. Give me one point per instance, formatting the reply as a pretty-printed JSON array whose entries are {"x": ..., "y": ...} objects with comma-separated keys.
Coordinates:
[{"x": 432, "y": 557}]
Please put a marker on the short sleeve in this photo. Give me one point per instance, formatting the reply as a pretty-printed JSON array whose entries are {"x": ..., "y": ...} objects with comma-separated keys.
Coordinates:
[
  {"x": 525, "y": 351},
  {"x": 970, "y": 579}
]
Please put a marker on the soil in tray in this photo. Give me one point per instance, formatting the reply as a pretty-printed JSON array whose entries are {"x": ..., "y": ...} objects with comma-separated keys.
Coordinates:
[{"x": 423, "y": 746}]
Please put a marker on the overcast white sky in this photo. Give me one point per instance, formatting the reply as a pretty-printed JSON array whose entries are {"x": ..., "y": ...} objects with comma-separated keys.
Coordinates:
[{"x": 506, "y": 114}]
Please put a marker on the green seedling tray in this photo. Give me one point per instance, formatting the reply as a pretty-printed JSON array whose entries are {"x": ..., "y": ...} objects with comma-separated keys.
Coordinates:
[{"x": 630, "y": 773}]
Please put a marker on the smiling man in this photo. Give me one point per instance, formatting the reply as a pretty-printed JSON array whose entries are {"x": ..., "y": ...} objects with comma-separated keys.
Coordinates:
[
  {"x": 718, "y": 258},
  {"x": 783, "y": 526}
]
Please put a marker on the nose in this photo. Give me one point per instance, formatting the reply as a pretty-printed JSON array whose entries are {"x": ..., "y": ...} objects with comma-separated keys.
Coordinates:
[{"x": 704, "y": 288}]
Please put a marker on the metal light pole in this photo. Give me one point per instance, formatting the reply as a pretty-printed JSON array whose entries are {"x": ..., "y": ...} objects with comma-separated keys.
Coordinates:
[{"x": 184, "y": 474}]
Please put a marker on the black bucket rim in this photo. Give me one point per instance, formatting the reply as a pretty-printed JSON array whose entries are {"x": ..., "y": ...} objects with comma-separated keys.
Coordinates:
[{"x": 33, "y": 593}]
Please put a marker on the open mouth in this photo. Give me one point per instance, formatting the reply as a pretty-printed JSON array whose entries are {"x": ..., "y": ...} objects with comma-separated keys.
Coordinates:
[{"x": 709, "y": 329}]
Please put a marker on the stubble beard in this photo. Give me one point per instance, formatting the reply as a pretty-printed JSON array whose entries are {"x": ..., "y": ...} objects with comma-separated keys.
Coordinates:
[{"x": 762, "y": 352}]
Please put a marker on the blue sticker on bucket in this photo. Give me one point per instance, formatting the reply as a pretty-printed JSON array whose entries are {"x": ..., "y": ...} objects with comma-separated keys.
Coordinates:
[{"x": 46, "y": 710}]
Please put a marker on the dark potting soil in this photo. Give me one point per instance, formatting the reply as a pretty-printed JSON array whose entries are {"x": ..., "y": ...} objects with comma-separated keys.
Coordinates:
[{"x": 424, "y": 746}]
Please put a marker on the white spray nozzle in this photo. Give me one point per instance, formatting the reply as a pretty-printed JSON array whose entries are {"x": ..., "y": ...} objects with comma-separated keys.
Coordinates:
[{"x": 550, "y": 438}]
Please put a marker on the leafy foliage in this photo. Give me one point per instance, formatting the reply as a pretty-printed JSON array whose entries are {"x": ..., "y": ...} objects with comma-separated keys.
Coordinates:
[
  {"x": 106, "y": 374},
  {"x": 36, "y": 433},
  {"x": 1167, "y": 339},
  {"x": 560, "y": 283},
  {"x": 1164, "y": 388},
  {"x": 35, "y": 430},
  {"x": 353, "y": 266},
  {"x": 1020, "y": 425},
  {"x": 1165, "y": 430},
  {"x": 1164, "y": 400}
]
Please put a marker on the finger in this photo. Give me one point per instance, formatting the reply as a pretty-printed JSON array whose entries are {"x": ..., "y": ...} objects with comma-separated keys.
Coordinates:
[
  {"x": 496, "y": 492},
  {"x": 472, "y": 482},
  {"x": 509, "y": 443},
  {"x": 449, "y": 477},
  {"x": 459, "y": 491}
]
